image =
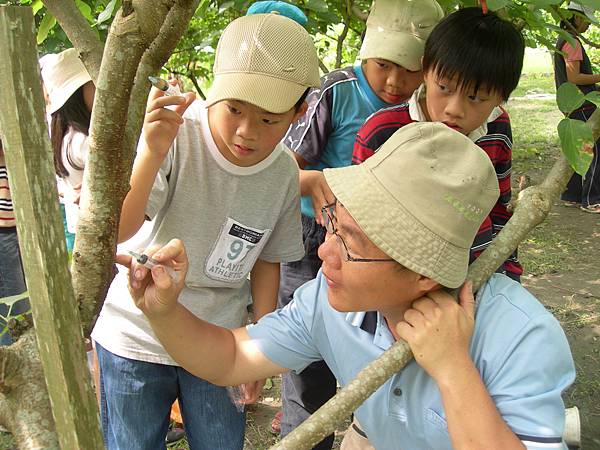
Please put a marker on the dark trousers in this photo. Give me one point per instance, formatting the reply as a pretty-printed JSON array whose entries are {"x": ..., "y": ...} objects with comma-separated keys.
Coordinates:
[
  {"x": 585, "y": 190},
  {"x": 304, "y": 393}
]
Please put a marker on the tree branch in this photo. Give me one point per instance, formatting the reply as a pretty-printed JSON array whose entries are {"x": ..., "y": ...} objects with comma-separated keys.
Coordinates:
[{"x": 79, "y": 32}]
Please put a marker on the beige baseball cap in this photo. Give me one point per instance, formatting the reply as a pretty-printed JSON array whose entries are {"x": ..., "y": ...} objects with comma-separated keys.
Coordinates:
[
  {"x": 397, "y": 30},
  {"x": 421, "y": 198},
  {"x": 267, "y": 60},
  {"x": 63, "y": 74}
]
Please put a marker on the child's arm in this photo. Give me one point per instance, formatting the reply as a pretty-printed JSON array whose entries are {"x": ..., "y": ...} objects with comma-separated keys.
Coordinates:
[
  {"x": 160, "y": 128},
  {"x": 264, "y": 284},
  {"x": 221, "y": 356}
]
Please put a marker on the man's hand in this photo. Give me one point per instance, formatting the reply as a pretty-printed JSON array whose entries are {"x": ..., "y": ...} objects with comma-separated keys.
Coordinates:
[
  {"x": 314, "y": 184},
  {"x": 161, "y": 124},
  {"x": 439, "y": 330},
  {"x": 155, "y": 292},
  {"x": 252, "y": 391}
]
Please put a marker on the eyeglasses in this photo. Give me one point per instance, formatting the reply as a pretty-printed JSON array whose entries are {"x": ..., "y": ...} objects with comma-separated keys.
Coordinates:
[{"x": 329, "y": 219}]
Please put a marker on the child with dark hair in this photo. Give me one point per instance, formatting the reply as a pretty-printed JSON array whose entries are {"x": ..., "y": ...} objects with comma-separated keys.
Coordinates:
[
  {"x": 571, "y": 63},
  {"x": 70, "y": 93},
  {"x": 472, "y": 62}
]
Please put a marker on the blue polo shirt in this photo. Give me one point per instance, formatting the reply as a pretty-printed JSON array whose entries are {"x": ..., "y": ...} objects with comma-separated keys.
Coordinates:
[{"x": 518, "y": 347}]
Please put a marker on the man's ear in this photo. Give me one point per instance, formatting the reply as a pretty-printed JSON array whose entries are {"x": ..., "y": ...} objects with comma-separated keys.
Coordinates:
[{"x": 426, "y": 284}]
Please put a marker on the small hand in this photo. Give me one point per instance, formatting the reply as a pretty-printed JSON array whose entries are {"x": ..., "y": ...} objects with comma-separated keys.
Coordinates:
[
  {"x": 438, "y": 331},
  {"x": 155, "y": 292},
  {"x": 252, "y": 391},
  {"x": 161, "y": 124},
  {"x": 319, "y": 191}
]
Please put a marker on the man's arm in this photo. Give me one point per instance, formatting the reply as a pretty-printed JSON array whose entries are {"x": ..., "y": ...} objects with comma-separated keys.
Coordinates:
[
  {"x": 160, "y": 128},
  {"x": 219, "y": 355}
]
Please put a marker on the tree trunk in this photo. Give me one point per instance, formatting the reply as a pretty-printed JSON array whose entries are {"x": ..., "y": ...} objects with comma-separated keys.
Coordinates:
[{"x": 41, "y": 238}]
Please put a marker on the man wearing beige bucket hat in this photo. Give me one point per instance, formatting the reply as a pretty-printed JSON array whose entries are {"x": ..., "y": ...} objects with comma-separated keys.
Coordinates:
[
  {"x": 388, "y": 73},
  {"x": 488, "y": 372},
  {"x": 215, "y": 173}
]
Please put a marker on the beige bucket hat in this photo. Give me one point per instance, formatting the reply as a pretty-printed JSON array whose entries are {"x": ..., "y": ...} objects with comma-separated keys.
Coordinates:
[
  {"x": 397, "y": 30},
  {"x": 421, "y": 198},
  {"x": 267, "y": 60},
  {"x": 63, "y": 74}
]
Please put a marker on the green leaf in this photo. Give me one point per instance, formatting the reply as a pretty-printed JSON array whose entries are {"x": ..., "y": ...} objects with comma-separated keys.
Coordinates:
[
  {"x": 14, "y": 298},
  {"x": 47, "y": 23},
  {"x": 36, "y": 6},
  {"x": 495, "y": 5},
  {"x": 268, "y": 384},
  {"x": 316, "y": 5},
  {"x": 593, "y": 97},
  {"x": 85, "y": 10},
  {"x": 569, "y": 98},
  {"x": 573, "y": 135},
  {"x": 107, "y": 13}
]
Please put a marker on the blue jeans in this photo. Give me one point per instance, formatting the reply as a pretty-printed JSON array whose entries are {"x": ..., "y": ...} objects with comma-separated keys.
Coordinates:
[
  {"x": 136, "y": 399},
  {"x": 12, "y": 280}
]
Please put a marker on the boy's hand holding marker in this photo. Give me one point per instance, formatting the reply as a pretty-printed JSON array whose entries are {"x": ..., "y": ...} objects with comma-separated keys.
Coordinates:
[{"x": 161, "y": 124}]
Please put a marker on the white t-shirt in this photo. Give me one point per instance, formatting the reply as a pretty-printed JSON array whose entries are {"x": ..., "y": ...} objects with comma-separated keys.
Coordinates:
[
  {"x": 227, "y": 216},
  {"x": 74, "y": 152}
]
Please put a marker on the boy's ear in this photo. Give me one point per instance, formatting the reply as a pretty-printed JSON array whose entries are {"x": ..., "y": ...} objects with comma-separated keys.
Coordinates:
[{"x": 300, "y": 111}]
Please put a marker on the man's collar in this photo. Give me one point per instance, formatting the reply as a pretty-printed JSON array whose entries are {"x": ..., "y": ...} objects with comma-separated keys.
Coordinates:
[
  {"x": 418, "y": 115},
  {"x": 374, "y": 324}
]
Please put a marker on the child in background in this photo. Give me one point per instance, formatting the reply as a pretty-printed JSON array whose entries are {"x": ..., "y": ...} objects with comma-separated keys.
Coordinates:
[
  {"x": 472, "y": 63},
  {"x": 573, "y": 65},
  {"x": 70, "y": 92},
  {"x": 389, "y": 73},
  {"x": 12, "y": 279},
  {"x": 216, "y": 174}
]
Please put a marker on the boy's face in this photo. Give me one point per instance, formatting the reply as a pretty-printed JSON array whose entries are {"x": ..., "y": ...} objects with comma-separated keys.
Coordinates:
[
  {"x": 246, "y": 134},
  {"x": 460, "y": 109},
  {"x": 392, "y": 83}
]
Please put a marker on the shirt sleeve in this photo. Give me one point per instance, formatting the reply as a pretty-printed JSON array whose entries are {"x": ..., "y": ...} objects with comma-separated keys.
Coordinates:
[
  {"x": 527, "y": 389},
  {"x": 285, "y": 242},
  {"x": 497, "y": 143},
  {"x": 573, "y": 53},
  {"x": 160, "y": 189},
  {"x": 376, "y": 130},
  {"x": 309, "y": 135},
  {"x": 285, "y": 336},
  {"x": 77, "y": 149}
]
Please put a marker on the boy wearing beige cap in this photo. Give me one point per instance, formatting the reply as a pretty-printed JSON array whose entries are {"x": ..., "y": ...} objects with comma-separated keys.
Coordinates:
[
  {"x": 389, "y": 73},
  {"x": 488, "y": 372},
  {"x": 216, "y": 173}
]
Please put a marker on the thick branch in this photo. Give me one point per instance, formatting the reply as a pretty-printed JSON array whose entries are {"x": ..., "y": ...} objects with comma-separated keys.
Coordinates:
[
  {"x": 79, "y": 32},
  {"x": 132, "y": 53}
]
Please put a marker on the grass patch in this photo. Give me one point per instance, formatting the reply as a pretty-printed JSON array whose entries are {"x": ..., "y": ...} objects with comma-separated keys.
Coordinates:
[
  {"x": 544, "y": 251},
  {"x": 535, "y": 83}
]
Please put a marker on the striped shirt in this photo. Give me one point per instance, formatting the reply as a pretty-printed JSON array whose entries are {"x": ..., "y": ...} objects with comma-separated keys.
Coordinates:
[
  {"x": 495, "y": 138},
  {"x": 7, "y": 215}
]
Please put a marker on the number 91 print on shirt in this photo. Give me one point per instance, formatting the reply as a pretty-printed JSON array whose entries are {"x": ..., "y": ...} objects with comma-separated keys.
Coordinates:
[{"x": 235, "y": 251}]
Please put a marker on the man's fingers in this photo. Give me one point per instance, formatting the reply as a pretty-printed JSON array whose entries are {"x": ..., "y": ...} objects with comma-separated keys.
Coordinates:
[
  {"x": 467, "y": 299},
  {"x": 172, "y": 251}
]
